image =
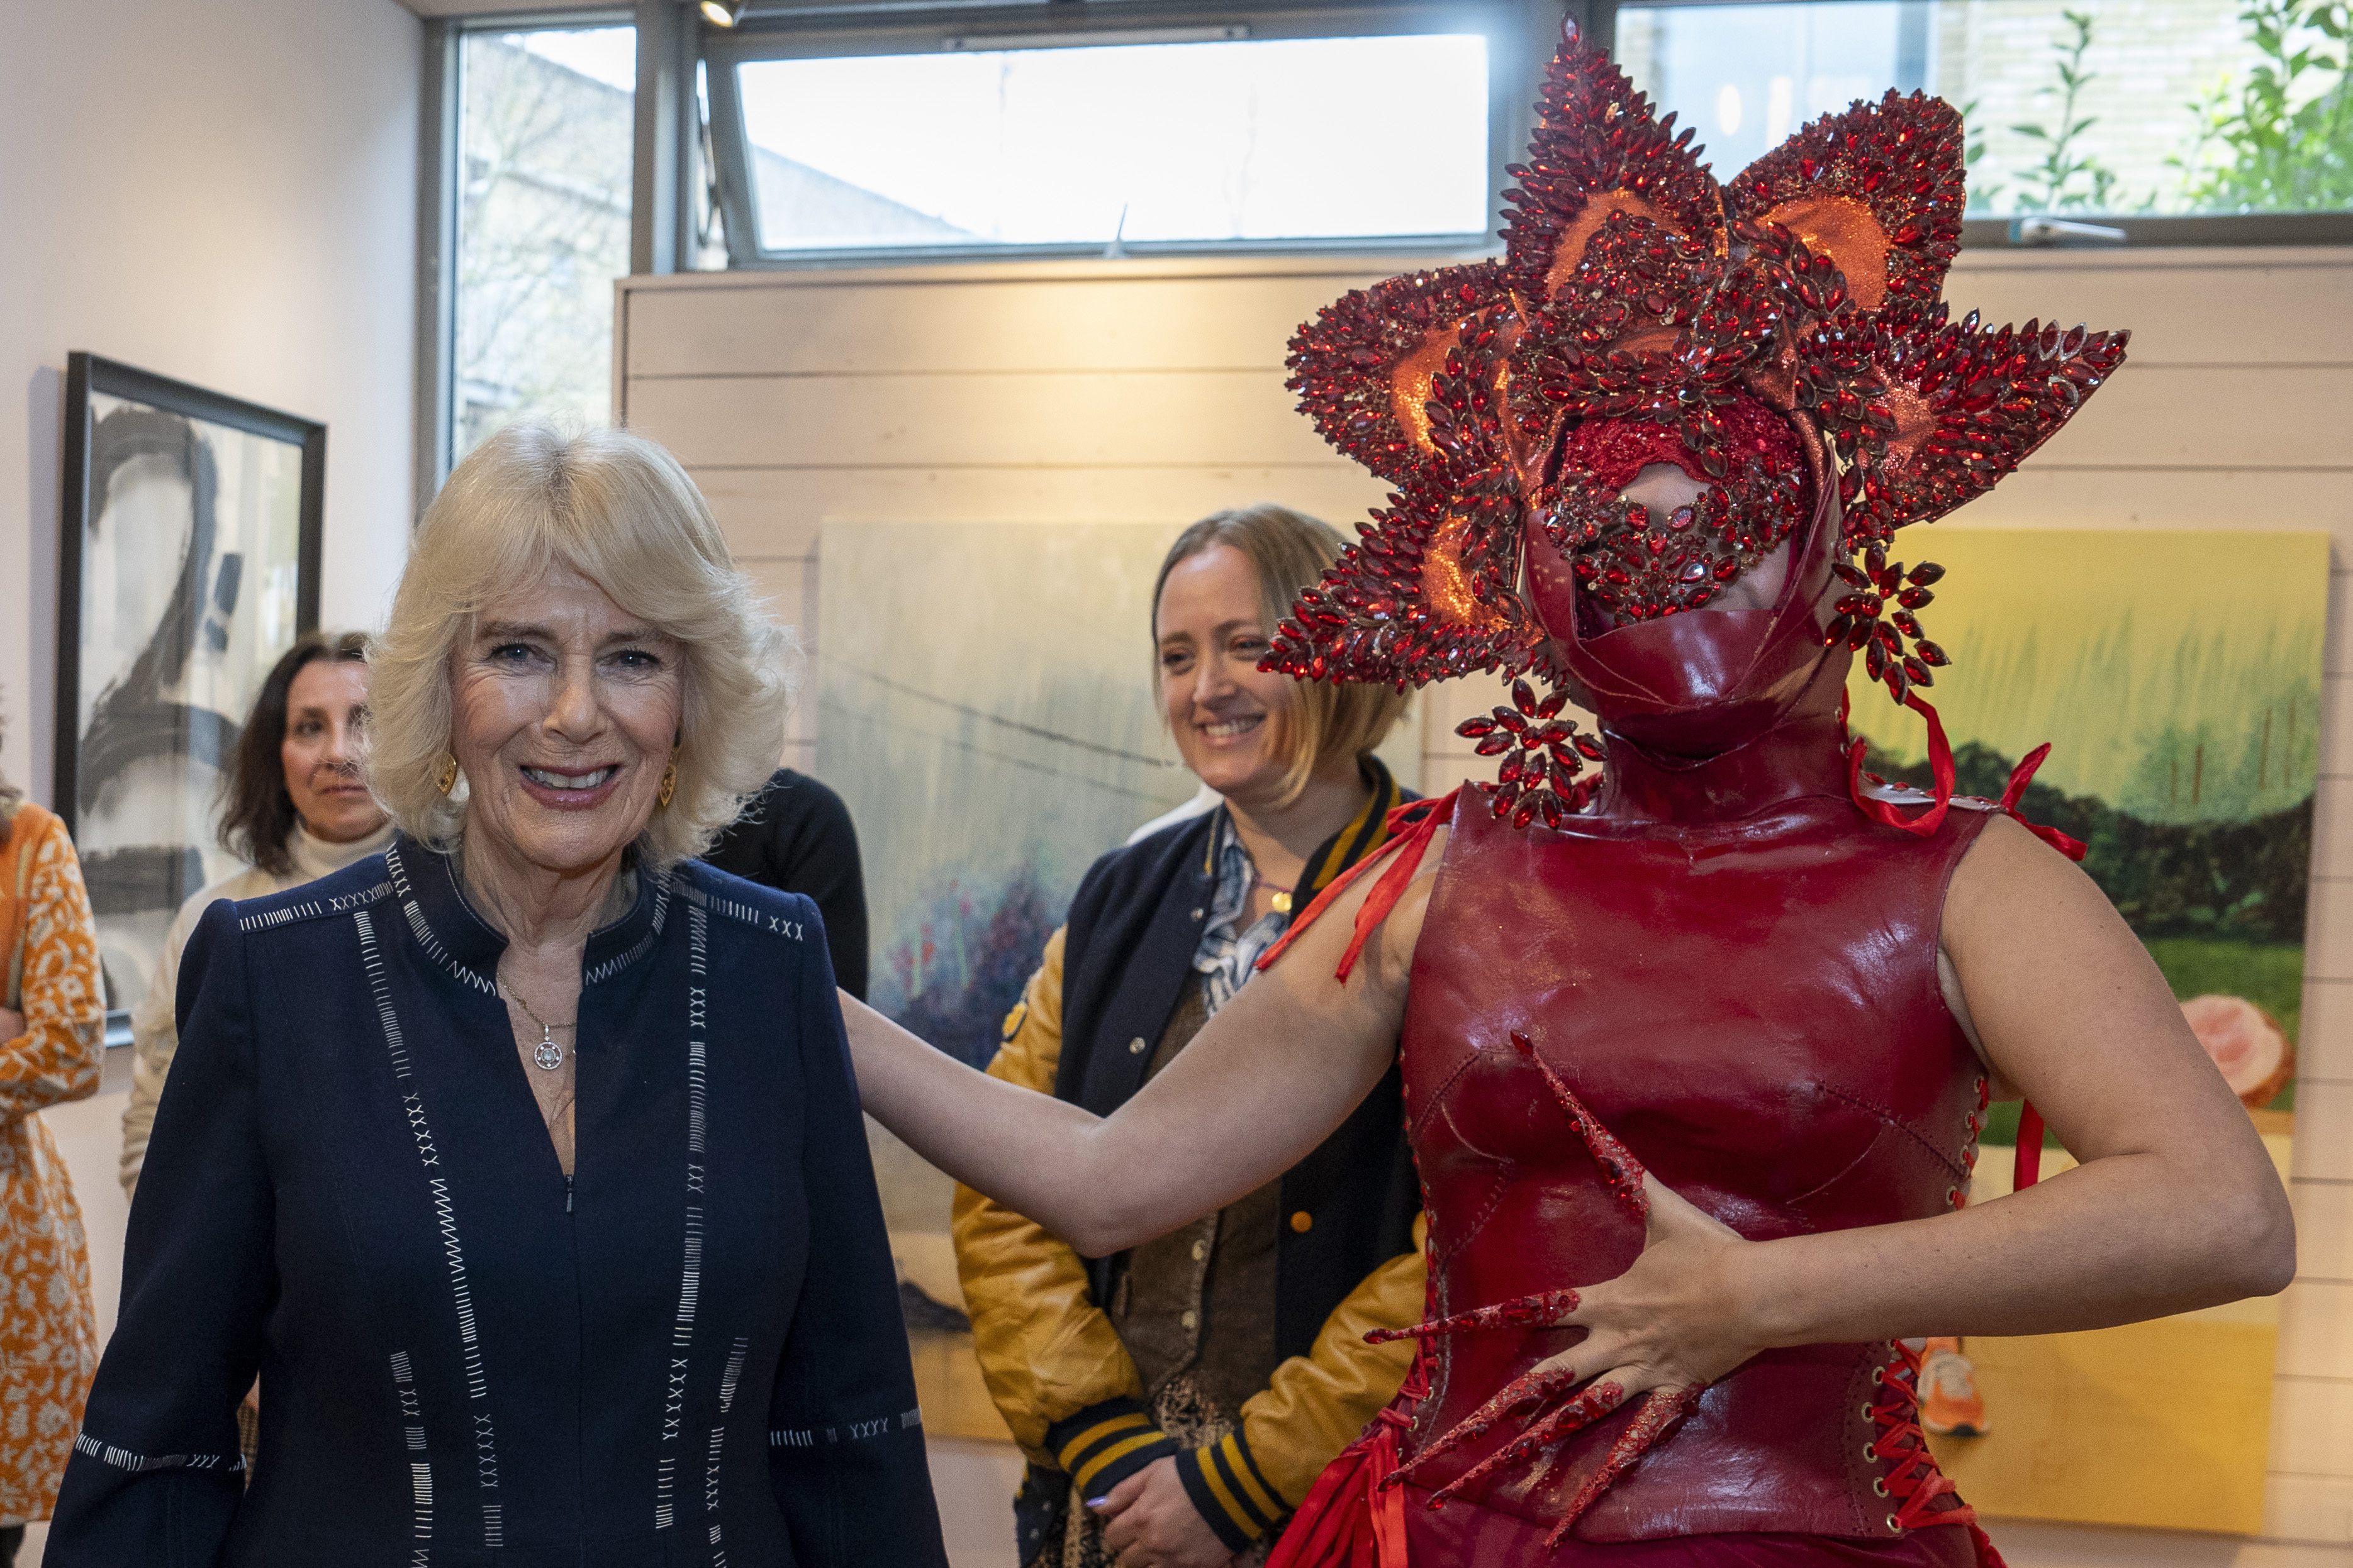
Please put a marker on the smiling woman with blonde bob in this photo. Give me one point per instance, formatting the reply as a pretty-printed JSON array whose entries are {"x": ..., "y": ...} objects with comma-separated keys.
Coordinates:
[
  {"x": 522, "y": 1160},
  {"x": 1176, "y": 1399}
]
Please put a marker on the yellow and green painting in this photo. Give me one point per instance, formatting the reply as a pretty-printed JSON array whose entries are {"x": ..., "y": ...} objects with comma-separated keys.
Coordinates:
[{"x": 2178, "y": 678}]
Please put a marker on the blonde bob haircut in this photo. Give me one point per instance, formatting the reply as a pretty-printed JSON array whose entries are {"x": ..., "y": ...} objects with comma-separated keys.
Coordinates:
[
  {"x": 1288, "y": 551},
  {"x": 618, "y": 511}
]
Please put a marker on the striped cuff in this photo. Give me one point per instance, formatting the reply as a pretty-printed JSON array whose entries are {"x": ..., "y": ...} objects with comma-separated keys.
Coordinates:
[
  {"x": 1224, "y": 1485},
  {"x": 1105, "y": 1444}
]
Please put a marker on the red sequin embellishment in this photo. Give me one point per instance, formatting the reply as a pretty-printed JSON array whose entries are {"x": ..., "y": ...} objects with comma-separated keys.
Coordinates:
[
  {"x": 1636, "y": 296},
  {"x": 1540, "y": 776}
]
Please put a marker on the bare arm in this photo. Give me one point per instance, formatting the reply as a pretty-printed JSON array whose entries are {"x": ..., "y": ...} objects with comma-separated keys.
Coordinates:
[{"x": 1176, "y": 1150}]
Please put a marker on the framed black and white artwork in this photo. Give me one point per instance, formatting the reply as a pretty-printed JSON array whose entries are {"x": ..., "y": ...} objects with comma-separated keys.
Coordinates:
[{"x": 188, "y": 563}]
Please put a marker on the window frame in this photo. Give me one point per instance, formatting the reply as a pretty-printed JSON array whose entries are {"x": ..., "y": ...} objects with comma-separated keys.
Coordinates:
[
  {"x": 441, "y": 144},
  {"x": 1516, "y": 53},
  {"x": 2141, "y": 232}
]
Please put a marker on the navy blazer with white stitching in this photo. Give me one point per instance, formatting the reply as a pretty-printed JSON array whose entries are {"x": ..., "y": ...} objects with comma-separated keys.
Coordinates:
[{"x": 690, "y": 1352}]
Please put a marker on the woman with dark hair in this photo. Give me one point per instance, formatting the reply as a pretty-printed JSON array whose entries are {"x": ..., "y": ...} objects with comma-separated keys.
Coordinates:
[
  {"x": 296, "y": 809},
  {"x": 1176, "y": 1399}
]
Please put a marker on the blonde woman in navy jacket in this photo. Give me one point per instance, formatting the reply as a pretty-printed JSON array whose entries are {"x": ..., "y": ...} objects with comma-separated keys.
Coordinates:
[{"x": 523, "y": 1162}]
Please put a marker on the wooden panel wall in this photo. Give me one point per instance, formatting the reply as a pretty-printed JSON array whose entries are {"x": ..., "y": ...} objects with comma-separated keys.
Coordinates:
[{"x": 1151, "y": 393}]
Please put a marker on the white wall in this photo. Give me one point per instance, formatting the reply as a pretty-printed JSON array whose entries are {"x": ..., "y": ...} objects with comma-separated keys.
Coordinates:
[
  {"x": 225, "y": 192},
  {"x": 1152, "y": 393}
]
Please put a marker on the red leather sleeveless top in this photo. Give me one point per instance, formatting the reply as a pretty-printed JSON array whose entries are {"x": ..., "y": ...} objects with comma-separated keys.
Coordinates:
[{"x": 1736, "y": 971}]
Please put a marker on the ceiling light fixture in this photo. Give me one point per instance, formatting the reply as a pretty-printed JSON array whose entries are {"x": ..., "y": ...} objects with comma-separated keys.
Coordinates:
[{"x": 723, "y": 13}]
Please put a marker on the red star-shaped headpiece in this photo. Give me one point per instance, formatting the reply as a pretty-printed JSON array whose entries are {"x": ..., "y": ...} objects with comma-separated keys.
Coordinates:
[{"x": 1642, "y": 310}]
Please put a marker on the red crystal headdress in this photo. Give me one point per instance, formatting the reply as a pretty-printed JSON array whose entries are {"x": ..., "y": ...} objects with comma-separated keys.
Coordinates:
[{"x": 1644, "y": 313}]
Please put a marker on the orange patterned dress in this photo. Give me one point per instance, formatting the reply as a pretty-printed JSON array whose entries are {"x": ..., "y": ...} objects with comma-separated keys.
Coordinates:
[{"x": 48, "y": 1334}]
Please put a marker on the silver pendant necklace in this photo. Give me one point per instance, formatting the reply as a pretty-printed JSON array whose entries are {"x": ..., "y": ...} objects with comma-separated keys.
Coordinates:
[{"x": 547, "y": 1053}]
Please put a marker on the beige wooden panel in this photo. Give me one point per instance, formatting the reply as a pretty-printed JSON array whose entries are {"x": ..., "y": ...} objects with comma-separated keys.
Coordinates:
[
  {"x": 2234, "y": 312},
  {"x": 1448, "y": 759},
  {"x": 2336, "y": 732},
  {"x": 2315, "y": 1330},
  {"x": 777, "y": 511},
  {"x": 2261, "y": 309},
  {"x": 2197, "y": 418},
  {"x": 2307, "y": 1508},
  {"x": 1082, "y": 419},
  {"x": 2328, "y": 929},
  {"x": 2324, "y": 1230},
  {"x": 2332, "y": 821},
  {"x": 2312, "y": 1427},
  {"x": 2048, "y": 493},
  {"x": 2323, "y": 1153},
  {"x": 2332, "y": 827},
  {"x": 2212, "y": 416},
  {"x": 789, "y": 589},
  {"x": 2338, "y": 659},
  {"x": 2324, "y": 1046},
  {"x": 852, "y": 328}
]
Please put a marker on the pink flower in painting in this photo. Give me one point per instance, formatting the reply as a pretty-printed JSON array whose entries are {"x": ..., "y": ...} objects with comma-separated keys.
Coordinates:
[{"x": 2246, "y": 1042}]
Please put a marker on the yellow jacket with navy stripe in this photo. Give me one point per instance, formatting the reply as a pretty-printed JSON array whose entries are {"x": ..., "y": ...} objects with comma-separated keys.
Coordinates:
[{"x": 1053, "y": 1361}]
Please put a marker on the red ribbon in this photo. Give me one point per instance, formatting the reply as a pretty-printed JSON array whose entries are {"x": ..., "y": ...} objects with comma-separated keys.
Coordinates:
[
  {"x": 1348, "y": 1519},
  {"x": 2020, "y": 777},
  {"x": 2028, "y": 1170},
  {"x": 1408, "y": 845},
  {"x": 1940, "y": 765}
]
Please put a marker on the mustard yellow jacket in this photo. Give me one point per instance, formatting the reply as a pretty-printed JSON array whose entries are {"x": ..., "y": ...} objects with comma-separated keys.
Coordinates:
[{"x": 1050, "y": 1356}]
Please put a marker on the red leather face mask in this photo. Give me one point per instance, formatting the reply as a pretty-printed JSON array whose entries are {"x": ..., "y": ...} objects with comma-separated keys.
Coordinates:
[{"x": 1702, "y": 682}]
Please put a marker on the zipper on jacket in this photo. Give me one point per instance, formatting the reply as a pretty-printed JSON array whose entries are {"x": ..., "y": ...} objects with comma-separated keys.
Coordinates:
[{"x": 567, "y": 1195}]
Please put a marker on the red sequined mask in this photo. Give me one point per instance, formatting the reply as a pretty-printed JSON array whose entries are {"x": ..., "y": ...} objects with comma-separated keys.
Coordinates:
[
  {"x": 1637, "y": 561},
  {"x": 1783, "y": 326}
]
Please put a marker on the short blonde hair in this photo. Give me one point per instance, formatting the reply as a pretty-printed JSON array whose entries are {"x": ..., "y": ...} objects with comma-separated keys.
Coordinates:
[
  {"x": 1288, "y": 551},
  {"x": 619, "y": 511}
]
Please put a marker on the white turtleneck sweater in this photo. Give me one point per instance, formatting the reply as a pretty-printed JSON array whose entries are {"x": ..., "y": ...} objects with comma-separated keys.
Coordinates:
[{"x": 155, "y": 1033}]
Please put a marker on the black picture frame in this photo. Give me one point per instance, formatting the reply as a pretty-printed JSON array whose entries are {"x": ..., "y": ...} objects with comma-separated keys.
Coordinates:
[{"x": 193, "y": 558}]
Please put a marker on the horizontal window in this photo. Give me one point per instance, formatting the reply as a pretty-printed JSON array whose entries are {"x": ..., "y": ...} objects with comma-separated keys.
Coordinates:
[
  {"x": 1189, "y": 140},
  {"x": 2103, "y": 109}
]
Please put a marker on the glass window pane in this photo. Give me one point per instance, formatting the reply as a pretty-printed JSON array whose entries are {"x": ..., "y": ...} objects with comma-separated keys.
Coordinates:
[
  {"x": 1245, "y": 140},
  {"x": 2073, "y": 106},
  {"x": 546, "y": 125}
]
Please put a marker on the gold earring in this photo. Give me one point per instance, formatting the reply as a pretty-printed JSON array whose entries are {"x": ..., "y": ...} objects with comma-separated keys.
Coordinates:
[
  {"x": 669, "y": 785},
  {"x": 447, "y": 779}
]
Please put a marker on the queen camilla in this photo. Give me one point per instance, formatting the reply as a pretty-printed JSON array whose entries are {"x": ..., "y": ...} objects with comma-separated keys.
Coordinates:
[{"x": 522, "y": 1160}]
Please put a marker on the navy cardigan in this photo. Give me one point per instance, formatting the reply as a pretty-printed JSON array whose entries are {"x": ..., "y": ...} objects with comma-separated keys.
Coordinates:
[{"x": 689, "y": 1352}]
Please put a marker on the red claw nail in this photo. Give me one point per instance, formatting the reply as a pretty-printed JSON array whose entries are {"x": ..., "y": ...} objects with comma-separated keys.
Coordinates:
[
  {"x": 1525, "y": 1392},
  {"x": 1572, "y": 1416},
  {"x": 1660, "y": 1414},
  {"x": 1619, "y": 1167},
  {"x": 1543, "y": 1309}
]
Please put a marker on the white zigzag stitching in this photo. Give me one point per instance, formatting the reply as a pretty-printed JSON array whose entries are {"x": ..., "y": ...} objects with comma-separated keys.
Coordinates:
[
  {"x": 124, "y": 1460},
  {"x": 690, "y": 1281},
  {"x": 424, "y": 932},
  {"x": 486, "y": 1464}
]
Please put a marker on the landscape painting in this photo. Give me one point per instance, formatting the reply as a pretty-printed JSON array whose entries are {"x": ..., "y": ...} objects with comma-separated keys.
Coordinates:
[
  {"x": 2178, "y": 678},
  {"x": 984, "y": 706}
]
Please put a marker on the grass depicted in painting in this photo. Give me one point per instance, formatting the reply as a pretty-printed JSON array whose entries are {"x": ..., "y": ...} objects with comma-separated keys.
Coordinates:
[
  {"x": 2181, "y": 702},
  {"x": 961, "y": 970}
]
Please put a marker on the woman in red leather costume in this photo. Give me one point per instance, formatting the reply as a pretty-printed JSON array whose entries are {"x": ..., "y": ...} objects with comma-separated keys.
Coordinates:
[{"x": 1697, "y": 1050}]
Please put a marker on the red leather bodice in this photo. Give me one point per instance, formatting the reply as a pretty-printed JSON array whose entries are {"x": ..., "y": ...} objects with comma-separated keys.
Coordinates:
[{"x": 1736, "y": 973}]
